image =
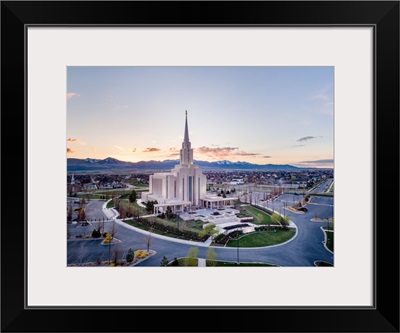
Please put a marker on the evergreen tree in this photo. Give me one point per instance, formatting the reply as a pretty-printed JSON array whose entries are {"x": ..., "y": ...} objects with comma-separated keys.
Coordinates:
[
  {"x": 132, "y": 196},
  {"x": 130, "y": 255},
  {"x": 164, "y": 261}
]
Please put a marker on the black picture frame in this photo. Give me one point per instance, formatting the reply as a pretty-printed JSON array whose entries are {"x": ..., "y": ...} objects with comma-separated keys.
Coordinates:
[{"x": 383, "y": 16}]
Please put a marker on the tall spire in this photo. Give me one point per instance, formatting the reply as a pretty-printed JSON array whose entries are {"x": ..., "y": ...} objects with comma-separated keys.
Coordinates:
[
  {"x": 186, "y": 139},
  {"x": 186, "y": 151}
]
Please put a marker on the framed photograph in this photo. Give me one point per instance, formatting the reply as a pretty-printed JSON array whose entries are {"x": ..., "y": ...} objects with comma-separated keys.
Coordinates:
[{"x": 232, "y": 139}]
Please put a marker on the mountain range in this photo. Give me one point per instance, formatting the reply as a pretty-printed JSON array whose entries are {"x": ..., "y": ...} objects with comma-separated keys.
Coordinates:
[{"x": 112, "y": 164}]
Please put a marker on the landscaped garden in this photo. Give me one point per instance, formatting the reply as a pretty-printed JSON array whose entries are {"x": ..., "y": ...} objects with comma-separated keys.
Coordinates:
[
  {"x": 263, "y": 238},
  {"x": 260, "y": 216}
]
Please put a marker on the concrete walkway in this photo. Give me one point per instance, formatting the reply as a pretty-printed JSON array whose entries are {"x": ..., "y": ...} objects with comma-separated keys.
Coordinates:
[{"x": 201, "y": 262}]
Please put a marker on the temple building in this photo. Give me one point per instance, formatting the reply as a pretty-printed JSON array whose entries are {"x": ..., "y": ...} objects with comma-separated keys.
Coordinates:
[{"x": 183, "y": 187}]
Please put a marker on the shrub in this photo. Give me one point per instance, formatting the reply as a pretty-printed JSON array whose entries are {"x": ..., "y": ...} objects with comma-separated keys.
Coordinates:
[
  {"x": 129, "y": 256},
  {"x": 96, "y": 233},
  {"x": 175, "y": 262},
  {"x": 164, "y": 261},
  {"x": 107, "y": 239}
]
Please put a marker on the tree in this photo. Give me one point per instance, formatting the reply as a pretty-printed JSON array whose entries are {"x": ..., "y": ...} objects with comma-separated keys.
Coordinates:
[
  {"x": 211, "y": 257},
  {"x": 130, "y": 255},
  {"x": 148, "y": 240},
  {"x": 285, "y": 221},
  {"x": 122, "y": 212},
  {"x": 208, "y": 230},
  {"x": 191, "y": 258},
  {"x": 275, "y": 218},
  {"x": 116, "y": 202},
  {"x": 81, "y": 215},
  {"x": 132, "y": 196},
  {"x": 129, "y": 211},
  {"x": 169, "y": 212},
  {"x": 113, "y": 230},
  {"x": 96, "y": 233},
  {"x": 116, "y": 255},
  {"x": 150, "y": 205},
  {"x": 164, "y": 261}
]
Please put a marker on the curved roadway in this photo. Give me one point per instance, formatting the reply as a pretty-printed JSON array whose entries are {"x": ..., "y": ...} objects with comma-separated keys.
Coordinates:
[{"x": 303, "y": 250}]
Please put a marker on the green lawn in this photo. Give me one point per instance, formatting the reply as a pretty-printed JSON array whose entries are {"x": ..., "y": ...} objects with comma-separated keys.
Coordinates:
[
  {"x": 134, "y": 182},
  {"x": 143, "y": 227},
  {"x": 259, "y": 239},
  {"x": 260, "y": 217}
]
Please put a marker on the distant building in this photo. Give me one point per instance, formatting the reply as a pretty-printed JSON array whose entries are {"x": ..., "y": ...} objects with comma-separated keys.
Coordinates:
[
  {"x": 184, "y": 186},
  {"x": 73, "y": 187},
  {"x": 236, "y": 182}
]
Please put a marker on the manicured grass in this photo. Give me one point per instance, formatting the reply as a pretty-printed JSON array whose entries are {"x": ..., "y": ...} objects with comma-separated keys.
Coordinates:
[
  {"x": 330, "y": 240},
  {"x": 143, "y": 227},
  {"x": 260, "y": 217},
  {"x": 181, "y": 262},
  {"x": 134, "y": 182},
  {"x": 134, "y": 205},
  {"x": 258, "y": 239},
  {"x": 194, "y": 224},
  {"x": 110, "y": 204},
  {"x": 191, "y": 225}
]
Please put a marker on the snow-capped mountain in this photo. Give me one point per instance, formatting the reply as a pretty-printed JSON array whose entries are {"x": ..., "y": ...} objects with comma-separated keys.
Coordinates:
[{"x": 112, "y": 164}]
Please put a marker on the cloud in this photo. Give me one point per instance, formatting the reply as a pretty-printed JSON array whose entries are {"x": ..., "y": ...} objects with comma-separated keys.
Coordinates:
[
  {"x": 298, "y": 145},
  {"x": 71, "y": 140},
  {"x": 218, "y": 151},
  {"x": 71, "y": 95},
  {"x": 266, "y": 156},
  {"x": 70, "y": 151},
  {"x": 151, "y": 150},
  {"x": 305, "y": 138},
  {"x": 119, "y": 148},
  {"x": 172, "y": 155},
  {"x": 326, "y": 161},
  {"x": 221, "y": 152},
  {"x": 323, "y": 163},
  {"x": 243, "y": 153},
  {"x": 134, "y": 150}
]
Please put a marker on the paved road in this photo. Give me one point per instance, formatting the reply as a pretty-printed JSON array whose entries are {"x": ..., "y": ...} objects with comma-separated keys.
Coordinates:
[
  {"x": 323, "y": 186},
  {"x": 303, "y": 250}
]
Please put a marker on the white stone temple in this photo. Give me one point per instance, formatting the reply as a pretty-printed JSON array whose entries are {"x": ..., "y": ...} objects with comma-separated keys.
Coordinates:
[{"x": 184, "y": 186}]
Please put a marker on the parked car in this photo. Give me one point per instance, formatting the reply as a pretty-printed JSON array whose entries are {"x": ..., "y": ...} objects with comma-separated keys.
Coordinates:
[{"x": 303, "y": 209}]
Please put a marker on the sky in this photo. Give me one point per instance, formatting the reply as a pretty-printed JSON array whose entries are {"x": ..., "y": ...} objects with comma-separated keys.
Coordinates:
[{"x": 261, "y": 115}]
